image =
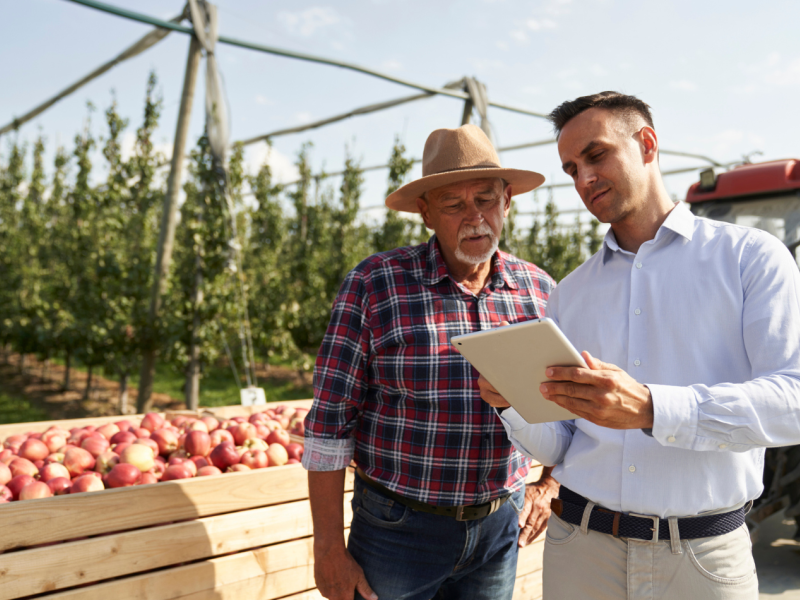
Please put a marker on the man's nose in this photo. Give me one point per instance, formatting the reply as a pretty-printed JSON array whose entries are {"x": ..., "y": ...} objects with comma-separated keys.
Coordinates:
[
  {"x": 474, "y": 214},
  {"x": 586, "y": 178}
]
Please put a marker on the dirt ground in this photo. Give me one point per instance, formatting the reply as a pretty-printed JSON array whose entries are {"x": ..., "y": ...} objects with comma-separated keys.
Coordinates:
[
  {"x": 777, "y": 558},
  {"x": 42, "y": 385}
]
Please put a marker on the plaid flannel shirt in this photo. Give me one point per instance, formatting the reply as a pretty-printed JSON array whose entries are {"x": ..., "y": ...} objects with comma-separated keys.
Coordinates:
[{"x": 393, "y": 394}]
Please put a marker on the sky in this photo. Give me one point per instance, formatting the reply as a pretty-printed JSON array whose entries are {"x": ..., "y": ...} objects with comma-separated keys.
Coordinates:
[{"x": 722, "y": 79}]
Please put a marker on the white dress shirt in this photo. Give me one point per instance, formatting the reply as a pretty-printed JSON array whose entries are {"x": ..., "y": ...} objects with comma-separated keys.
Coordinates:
[{"x": 707, "y": 315}]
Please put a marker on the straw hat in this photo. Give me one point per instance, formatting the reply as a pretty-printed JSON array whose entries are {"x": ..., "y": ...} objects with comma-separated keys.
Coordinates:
[{"x": 453, "y": 155}]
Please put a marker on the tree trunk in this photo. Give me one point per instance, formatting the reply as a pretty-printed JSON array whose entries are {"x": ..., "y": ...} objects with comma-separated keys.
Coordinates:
[
  {"x": 123, "y": 393},
  {"x": 22, "y": 363},
  {"x": 66, "y": 371},
  {"x": 88, "y": 383},
  {"x": 44, "y": 368},
  {"x": 192, "y": 388},
  {"x": 168, "y": 223}
]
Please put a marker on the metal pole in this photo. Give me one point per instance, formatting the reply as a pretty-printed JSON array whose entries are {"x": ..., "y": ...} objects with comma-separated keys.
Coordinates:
[{"x": 168, "y": 221}]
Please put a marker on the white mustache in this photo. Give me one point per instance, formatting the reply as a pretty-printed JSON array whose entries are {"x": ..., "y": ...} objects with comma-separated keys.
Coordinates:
[{"x": 469, "y": 231}]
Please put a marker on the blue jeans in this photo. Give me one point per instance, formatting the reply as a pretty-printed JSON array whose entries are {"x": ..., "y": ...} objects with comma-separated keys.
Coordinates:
[{"x": 412, "y": 555}]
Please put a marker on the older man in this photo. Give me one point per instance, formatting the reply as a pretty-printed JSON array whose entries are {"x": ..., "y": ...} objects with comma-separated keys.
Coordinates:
[
  {"x": 698, "y": 322},
  {"x": 439, "y": 498}
]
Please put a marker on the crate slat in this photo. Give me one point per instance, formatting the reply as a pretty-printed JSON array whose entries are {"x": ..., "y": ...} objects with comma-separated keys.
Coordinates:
[
  {"x": 528, "y": 587},
  {"x": 60, "y": 518},
  {"x": 530, "y": 557},
  {"x": 50, "y": 568}
]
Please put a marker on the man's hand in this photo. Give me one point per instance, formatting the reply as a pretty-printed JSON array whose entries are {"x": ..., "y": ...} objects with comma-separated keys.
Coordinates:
[
  {"x": 603, "y": 394},
  {"x": 490, "y": 395},
  {"x": 338, "y": 575},
  {"x": 533, "y": 518}
]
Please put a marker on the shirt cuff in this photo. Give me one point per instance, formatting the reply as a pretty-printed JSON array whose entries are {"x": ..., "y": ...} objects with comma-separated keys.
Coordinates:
[
  {"x": 675, "y": 415},
  {"x": 512, "y": 420},
  {"x": 323, "y": 454}
]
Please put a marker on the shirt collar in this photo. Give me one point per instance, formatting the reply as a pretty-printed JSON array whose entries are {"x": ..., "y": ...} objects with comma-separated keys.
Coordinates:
[
  {"x": 436, "y": 269},
  {"x": 680, "y": 220}
]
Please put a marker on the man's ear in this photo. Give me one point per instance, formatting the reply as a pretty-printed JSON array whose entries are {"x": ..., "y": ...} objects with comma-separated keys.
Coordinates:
[
  {"x": 507, "y": 200},
  {"x": 649, "y": 144},
  {"x": 422, "y": 206}
]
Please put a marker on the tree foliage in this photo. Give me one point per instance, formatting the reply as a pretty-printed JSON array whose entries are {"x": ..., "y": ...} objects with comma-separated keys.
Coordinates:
[{"x": 78, "y": 242}]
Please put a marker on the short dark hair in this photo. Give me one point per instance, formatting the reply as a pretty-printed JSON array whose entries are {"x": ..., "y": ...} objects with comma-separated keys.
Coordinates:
[{"x": 613, "y": 101}]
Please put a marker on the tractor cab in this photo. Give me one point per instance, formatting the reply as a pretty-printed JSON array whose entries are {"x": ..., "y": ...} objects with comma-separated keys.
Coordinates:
[{"x": 766, "y": 196}]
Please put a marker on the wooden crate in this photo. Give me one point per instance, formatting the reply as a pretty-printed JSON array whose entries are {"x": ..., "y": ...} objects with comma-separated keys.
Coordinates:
[{"x": 235, "y": 536}]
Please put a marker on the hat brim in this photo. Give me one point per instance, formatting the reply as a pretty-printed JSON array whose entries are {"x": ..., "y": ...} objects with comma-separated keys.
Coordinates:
[{"x": 405, "y": 198}]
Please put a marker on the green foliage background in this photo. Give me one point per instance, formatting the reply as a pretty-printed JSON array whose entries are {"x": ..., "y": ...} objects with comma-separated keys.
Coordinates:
[{"x": 77, "y": 257}]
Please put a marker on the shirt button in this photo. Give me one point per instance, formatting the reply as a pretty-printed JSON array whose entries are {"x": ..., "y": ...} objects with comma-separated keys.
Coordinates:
[
  {"x": 637, "y": 362},
  {"x": 671, "y": 438},
  {"x": 632, "y": 469},
  {"x": 638, "y": 265},
  {"x": 638, "y": 311},
  {"x": 723, "y": 446}
]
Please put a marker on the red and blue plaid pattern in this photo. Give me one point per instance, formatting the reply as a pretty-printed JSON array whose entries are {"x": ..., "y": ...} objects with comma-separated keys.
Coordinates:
[{"x": 392, "y": 393}]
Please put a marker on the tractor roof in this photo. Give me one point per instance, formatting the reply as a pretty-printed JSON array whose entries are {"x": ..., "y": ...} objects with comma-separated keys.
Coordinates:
[{"x": 749, "y": 180}]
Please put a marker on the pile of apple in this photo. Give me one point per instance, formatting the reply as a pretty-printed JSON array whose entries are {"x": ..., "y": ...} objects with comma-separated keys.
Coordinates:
[{"x": 124, "y": 453}]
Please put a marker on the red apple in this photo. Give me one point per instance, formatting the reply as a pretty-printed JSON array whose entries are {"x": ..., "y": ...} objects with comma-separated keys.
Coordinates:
[
  {"x": 149, "y": 443},
  {"x": 272, "y": 424},
  {"x": 106, "y": 461},
  {"x": 279, "y": 436},
  {"x": 123, "y": 475},
  {"x": 124, "y": 425},
  {"x": 17, "y": 483},
  {"x": 255, "y": 459},
  {"x": 152, "y": 422},
  {"x": 87, "y": 483},
  {"x": 55, "y": 442},
  {"x": 95, "y": 444},
  {"x": 59, "y": 485},
  {"x": 295, "y": 450},
  {"x": 6, "y": 455},
  {"x": 53, "y": 470},
  {"x": 148, "y": 478},
  {"x": 292, "y": 461},
  {"x": 78, "y": 460},
  {"x": 277, "y": 455},
  {"x": 181, "y": 471},
  {"x": 208, "y": 470},
  {"x": 211, "y": 423},
  {"x": 224, "y": 455},
  {"x": 7, "y": 496},
  {"x": 124, "y": 436},
  {"x": 220, "y": 435},
  {"x": 178, "y": 454},
  {"x": 166, "y": 439},
  {"x": 199, "y": 461},
  {"x": 33, "y": 449},
  {"x": 55, "y": 457},
  {"x": 35, "y": 489},
  {"x": 120, "y": 448},
  {"x": 141, "y": 432},
  {"x": 184, "y": 461},
  {"x": 13, "y": 442},
  {"x": 5, "y": 474},
  {"x": 197, "y": 443},
  {"x": 239, "y": 467},
  {"x": 243, "y": 431},
  {"x": 22, "y": 466},
  {"x": 255, "y": 444},
  {"x": 197, "y": 425},
  {"x": 108, "y": 430},
  {"x": 239, "y": 419},
  {"x": 139, "y": 456}
]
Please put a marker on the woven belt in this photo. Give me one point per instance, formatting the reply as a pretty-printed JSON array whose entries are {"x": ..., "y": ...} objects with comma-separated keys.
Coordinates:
[
  {"x": 459, "y": 513},
  {"x": 570, "y": 506}
]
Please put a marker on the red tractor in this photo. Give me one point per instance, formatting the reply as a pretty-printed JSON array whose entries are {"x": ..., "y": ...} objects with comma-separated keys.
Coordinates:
[{"x": 767, "y": 196}]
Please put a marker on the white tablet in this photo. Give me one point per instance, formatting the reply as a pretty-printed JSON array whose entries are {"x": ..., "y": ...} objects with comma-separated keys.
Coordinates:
[{"x": 514, "y": 358}]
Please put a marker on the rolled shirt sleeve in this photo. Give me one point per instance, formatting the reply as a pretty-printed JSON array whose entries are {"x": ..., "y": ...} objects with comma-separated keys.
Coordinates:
[
  {"x": 339, "y": 380},
  {"x": 761, "y": 412}
]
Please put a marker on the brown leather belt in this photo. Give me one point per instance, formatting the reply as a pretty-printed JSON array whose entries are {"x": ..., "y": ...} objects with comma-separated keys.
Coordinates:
[{"x": 459, "y": 513}]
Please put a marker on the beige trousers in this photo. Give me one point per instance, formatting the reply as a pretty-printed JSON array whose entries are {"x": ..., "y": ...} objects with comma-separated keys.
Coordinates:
[{"x": 587, "y": 565}]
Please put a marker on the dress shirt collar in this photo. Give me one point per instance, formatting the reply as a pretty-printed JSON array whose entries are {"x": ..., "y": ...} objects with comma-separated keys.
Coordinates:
[
  {"x": 436, "y": 269},
  {"x": 680, "y": 220}
]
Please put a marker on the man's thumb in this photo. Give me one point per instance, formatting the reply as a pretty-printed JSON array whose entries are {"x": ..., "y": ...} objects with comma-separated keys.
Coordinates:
[
  {"x": 595, "y": 364},
  {"x": 363, "y": 588}
]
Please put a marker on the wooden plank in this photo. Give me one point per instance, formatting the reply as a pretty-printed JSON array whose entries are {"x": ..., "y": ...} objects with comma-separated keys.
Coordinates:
[
  {"x": 237, "y": 410},
  {"x": 263, "y": 574},
  {"x": 49, "y": 568},
  {"x": 529, "y": 587},
  {"x": 60, "y": 518},
  {"x": 530, "y": 557}
]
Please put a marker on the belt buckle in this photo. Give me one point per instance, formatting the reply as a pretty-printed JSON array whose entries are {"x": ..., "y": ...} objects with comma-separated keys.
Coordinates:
[
  {"x": 656, "y": 522},
  {"x": 460, "y": 513}
]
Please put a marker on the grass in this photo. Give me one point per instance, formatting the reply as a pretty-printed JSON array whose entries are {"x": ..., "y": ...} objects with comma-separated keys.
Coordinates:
[{"x": 16, "y": 409}]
